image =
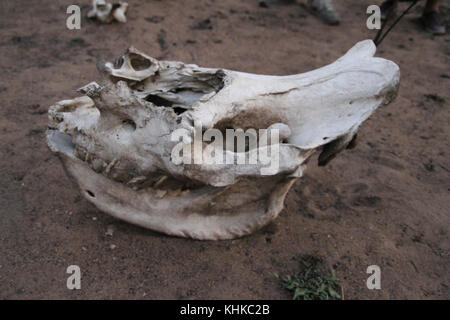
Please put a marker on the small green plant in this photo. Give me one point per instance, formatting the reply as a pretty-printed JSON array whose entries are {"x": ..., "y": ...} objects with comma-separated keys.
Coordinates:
[{"x": 312, "y": 282}]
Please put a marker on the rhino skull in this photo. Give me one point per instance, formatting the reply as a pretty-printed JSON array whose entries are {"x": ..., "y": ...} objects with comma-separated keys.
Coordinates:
[
  {"x": 117, "y": 140},
  {"x": 107, "y": 12}
]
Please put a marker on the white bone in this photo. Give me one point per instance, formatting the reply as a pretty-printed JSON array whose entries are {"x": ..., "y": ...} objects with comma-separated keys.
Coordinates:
[
  {"x": 117, "y": 140},
  {"x": 107, "y": 12}
]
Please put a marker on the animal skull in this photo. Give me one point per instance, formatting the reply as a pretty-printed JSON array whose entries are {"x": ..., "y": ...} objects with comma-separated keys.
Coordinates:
[
  {"x": 107, "y": 12},
  {"x": 117, "y": 140}
]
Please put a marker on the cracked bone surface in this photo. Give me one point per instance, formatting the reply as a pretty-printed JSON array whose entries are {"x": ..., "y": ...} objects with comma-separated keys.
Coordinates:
[
  {"x": 116, "y": 140},
  {"x": 107, "y": 12}
]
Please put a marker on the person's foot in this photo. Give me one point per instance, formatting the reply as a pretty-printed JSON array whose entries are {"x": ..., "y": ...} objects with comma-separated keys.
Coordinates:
[
  {"x": 325, "y": 10},
  {"x": 433, "y": 23},
  {"x": 388, "y": 9}
]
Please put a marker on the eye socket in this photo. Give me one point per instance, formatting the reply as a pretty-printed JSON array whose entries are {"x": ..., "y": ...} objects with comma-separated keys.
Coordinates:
[{"x": 138, "y": 62}]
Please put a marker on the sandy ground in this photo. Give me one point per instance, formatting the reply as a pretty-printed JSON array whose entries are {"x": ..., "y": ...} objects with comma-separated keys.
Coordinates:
[{"x": 386, "y": 202}]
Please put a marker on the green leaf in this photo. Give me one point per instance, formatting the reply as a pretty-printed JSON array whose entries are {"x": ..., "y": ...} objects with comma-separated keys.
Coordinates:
[{"x": 333, "y": 293}]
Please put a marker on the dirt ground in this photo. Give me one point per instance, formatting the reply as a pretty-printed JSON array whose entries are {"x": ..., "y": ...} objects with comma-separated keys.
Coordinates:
[{"x": 384, "y": 203}]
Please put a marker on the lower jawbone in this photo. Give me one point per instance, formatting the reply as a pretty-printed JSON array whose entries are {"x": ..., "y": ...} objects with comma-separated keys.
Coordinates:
[{"x": 117, "y": 141}]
